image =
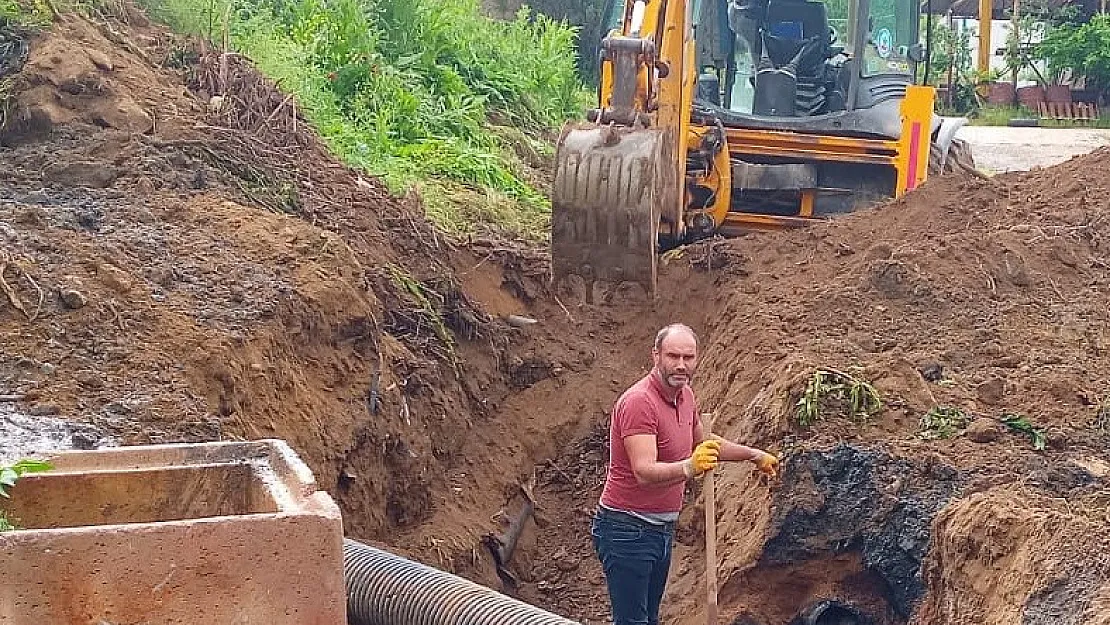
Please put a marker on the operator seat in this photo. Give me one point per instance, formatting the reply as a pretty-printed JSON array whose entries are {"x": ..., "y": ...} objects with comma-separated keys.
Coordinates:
[{"x": 795, "y": 39}]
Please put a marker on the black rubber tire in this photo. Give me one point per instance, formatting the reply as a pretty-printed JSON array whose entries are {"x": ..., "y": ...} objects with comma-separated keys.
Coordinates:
[{"x": 960, "y": 159}]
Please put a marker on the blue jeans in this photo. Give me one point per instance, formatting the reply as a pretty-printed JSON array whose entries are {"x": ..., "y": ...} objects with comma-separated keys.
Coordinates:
[{"x": 636, "y": 559}]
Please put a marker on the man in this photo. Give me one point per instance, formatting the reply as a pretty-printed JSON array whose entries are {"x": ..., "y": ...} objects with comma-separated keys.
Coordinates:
[{"x": 656, "y": 443}]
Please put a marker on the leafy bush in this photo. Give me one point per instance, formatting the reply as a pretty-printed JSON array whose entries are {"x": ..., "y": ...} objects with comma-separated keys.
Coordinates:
[{"x": 1083, "y": 49}]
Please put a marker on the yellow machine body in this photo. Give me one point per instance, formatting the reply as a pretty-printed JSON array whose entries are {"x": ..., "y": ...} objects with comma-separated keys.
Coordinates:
[{"x": 644, "y": 173}]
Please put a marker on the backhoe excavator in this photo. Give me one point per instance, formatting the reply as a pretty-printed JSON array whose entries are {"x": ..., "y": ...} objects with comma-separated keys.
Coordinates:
[{"x": 720, "y": 116}]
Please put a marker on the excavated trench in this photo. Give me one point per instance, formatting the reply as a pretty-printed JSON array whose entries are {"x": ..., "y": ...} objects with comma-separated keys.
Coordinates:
[
  {"x": 845, "y": 539},
  {"x": 851, "y": 534},
  {"x": 852, "y": 522}
]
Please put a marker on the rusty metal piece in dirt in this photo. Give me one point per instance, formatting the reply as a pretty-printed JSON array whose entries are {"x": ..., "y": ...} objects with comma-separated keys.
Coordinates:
[{"x": 610, "y": 183}]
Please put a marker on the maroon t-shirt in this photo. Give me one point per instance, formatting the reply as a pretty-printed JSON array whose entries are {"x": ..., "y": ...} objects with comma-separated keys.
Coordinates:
[{"x": 644, "y": 409}]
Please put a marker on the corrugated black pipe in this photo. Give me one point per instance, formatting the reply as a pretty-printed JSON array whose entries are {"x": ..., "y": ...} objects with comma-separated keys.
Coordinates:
[
  {"x": 830, "y": 612},
  {"x": 386, "y": 589}
]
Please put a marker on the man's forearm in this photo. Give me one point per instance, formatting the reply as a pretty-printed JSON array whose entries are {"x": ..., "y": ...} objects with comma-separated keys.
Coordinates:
[
  {"x": 735, "y": 452},
  {"x": 660, "y": 474}
]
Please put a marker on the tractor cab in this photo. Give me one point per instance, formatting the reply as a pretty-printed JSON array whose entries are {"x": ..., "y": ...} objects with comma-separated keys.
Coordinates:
[{"x": 805, "y": 65}]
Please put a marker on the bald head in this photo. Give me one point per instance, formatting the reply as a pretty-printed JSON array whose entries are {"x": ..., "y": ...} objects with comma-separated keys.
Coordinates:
[{"x": 675, "y": 329}]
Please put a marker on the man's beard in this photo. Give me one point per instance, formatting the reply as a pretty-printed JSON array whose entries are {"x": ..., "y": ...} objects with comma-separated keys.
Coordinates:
[{"x": 683, "y": 379}]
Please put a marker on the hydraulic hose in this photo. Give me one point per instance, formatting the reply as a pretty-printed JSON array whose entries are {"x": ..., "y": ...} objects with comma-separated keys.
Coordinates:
[{"x": 386, "y": 589}]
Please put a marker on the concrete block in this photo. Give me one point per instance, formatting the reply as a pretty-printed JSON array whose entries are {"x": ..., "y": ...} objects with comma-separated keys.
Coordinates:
[{"x": 208, "y": 534}]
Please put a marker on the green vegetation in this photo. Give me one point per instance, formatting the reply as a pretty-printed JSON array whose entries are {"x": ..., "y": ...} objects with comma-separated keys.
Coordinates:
[
  {"x": 419, "y": 294},
  {"x": 946, "y": 421},
  {"x": 9, "y": 10},
  {"x": 1083, "y": 49},
  {"x": 1019, "y": 423},
  {"x": 1001, "y": 116},
  {"x": 943, "y": 422},
  {"x": 17, "y": 17},
  {"x": 29, "y": 13},
  {"x": 1052, "y": 44},
  {"x": 950, "y": 66},
  {"x": 9, "y": 475},
  {"x": 998, "y": 115},
  {"x": 409, "y": 90},
  {"x": 834, "y": 392}
]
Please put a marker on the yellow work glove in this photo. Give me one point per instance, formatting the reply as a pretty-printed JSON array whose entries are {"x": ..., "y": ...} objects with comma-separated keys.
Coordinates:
[
  {"x": 703, "y": 459},
  {"x": 768, "y": 464}
]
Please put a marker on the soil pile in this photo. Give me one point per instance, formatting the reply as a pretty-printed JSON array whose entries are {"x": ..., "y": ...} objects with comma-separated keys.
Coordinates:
[
  {"x": 976, "y": 308},
  {"x": 989, "y": 295},
  {"x": 982, "y": 302}
]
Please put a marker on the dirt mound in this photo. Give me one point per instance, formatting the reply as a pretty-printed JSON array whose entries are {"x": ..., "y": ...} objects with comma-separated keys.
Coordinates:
[
  {"x": 984, "y": 300},
  {"x": 1010, "y": 555},
  {"x": 969, "y": 305},
  {"x": 988, "y": 295},
  {"x": 82, "y": 74}
]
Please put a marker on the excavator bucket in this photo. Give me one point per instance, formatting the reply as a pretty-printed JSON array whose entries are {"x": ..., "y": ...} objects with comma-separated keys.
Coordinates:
[{"x": 610, "y": 182}]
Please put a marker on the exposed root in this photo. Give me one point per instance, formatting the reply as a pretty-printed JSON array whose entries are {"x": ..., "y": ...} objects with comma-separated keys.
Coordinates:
[
  {"x": 570, "y": 317},
  {"x": 13, "y": 298},
  {"x": 243, "y": 99}
]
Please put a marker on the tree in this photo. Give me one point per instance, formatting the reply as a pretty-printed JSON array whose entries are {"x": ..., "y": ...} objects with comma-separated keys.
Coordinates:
[{"x": 1083, "y": 50}]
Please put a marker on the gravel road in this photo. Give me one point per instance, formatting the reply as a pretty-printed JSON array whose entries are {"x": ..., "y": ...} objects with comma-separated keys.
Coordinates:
[{"x": 1001, "y": 148}]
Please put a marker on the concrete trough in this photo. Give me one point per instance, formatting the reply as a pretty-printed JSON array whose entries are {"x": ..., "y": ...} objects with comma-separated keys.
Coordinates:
[{"x": 232, "y": 533}]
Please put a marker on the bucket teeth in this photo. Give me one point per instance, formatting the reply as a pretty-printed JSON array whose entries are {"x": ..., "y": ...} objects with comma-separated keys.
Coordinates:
[{"x": 609, "y": 186}]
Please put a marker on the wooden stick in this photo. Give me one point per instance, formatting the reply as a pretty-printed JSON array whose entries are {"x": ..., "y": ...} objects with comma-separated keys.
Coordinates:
[{"x": 710, "y": 495}]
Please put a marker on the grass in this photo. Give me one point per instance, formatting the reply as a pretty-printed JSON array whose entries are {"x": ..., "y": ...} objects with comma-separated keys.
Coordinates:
[
  {"x": 1001, "y": 116},
  {"x": 419, "y": 294},
  {"x": 19, "y": 18},
  {"x": 406, "y": 90},
  {"x": 32, "y": 14}
]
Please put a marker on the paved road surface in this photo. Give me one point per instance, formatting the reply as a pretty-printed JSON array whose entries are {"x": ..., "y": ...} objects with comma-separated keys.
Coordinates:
[{"x": 1001, "y": 148}]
